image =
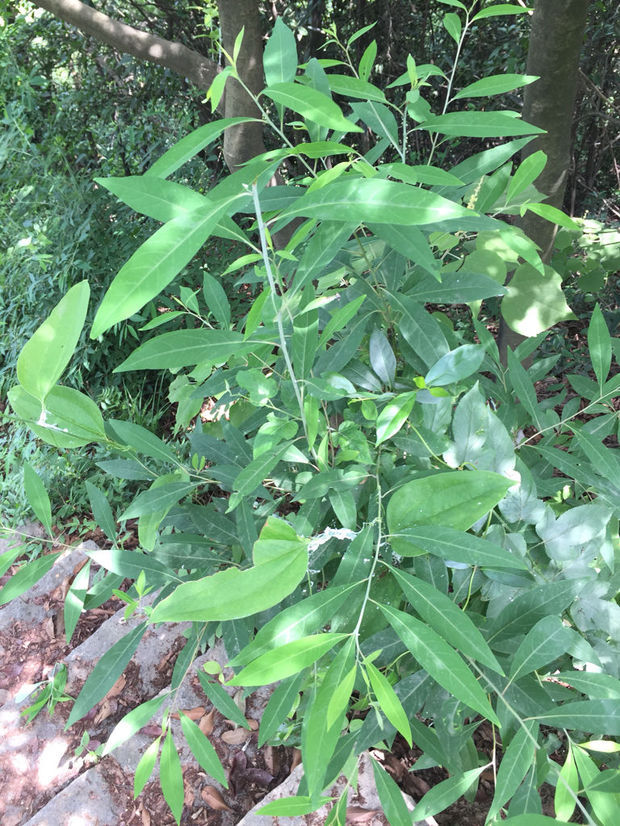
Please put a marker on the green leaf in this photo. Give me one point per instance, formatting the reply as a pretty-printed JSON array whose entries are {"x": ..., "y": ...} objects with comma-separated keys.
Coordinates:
[
  {"x": 411, "y": 243},
  {"x": 564, "y": 802},
  {"x": 279, "y": 705},
  {"x": 130, "y": 563},
  {"x": 304, "y": 342},
  {"x": 391, "y": 798},
  {"x": 534, "y": 302},
  {"x": 154, "y": 197},
  {"x": 546, "y": 641},
  {"x": 171, "y": 777},
  {"x": 454, "y": 545},
  {"x": 494, "y": 85},
  {"x": 595, "y": 716},
  {"x": 419, "y": 329},
  {"x": 45, "y": 355},
  {"x": 190, "y": 145},
  {"x": 354, "y": 87},
  {"x": 445, "y": 793},
  {"x": 458, "y": 287},
  {"x": 552, "y": 214},
  {"x": 157, "y": 261},
  {"x": 516, "y": 761},
  {"x": 222, "y": 701},
  {"x": 367, "y": 60},
  {"x": 608, "y": 781},
  {"x": 202, "y": 750},
  {"x": 74, "y": 601},
  {"x": 27, "y": 575},
  {"x": 184, "y": 348},
  {"x": 157, "y": 499},
  {"x": 456, "y": 365},
  {"x": 500, "y": 9},
  {"x": 106, "y": 673},
  {"x": 215, "y": 299},
  {"x": 524, "y": 388},
  {"x": 526, "y": 174},
  {"x": 280, "y": 563},
  {"x": 67, "y": 418},
  {"x": 256, "y": 471},
  {"x": 599, "y": 346},
  {"x": 382, "y": 358},
  {"x": 285, "y": 661},
  {"x": 441, "y": 661},
  {"x": 456, "y": 499},
  {"x": 132, "y": 722},
  {"x": 528, "y": 608},
  {"x": 531, "y": 820},
  {"x": 388, "y": 701},
  {"x": 394, "y": 415},
  {"x": 604, "y": 806},
  {"x": 311, "y": 104},
  {"x": 479, "y": 125},
  {"x": 340, "y": 319},
  {"x": 142, "y": 441},
  {"x": 280, "y": 55},
  {"x": 446, "y": 618},
  {"x": 145, "y": 767},
  {"x": 420, "y": 174},
  {"x": 375, "y": 201},
  {"x": 101, "y": 511},
  {"x": 344, "y": 506},
  {"x": 293, "y": 806},
  {"x": 37, "y": 497},
  {"x": 452, "y": 24},
  {"x": 597, "y": 685}
]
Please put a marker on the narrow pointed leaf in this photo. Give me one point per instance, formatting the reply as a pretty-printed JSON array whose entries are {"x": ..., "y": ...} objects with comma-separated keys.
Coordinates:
[
  {"x": 27, "y": 575},
  {"x": 171, "y": 777},
  {"x": 37, "y": 497},
  {"x": 391, "y": 798},
  {"x": 145, "y": 767},
  {"x": 202, "y": 750},
  {"x": 515, "y": 764},
  {"x": 546, "y": 641},
  {"x": 457, "y": 546},
  {"x": 445, "y": 793},
  {"x": 479, "y": 125},
  {"x": 132, "y": 722},
  {"x": 388, "y": 701},
  {"x": 596, "y": 716},
  {"x": 184, "y": 348},
  {"x": 311, "y": 104}
]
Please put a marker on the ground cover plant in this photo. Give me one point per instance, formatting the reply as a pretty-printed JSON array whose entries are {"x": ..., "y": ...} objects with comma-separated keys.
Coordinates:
[{"x": 385, "y": 521}]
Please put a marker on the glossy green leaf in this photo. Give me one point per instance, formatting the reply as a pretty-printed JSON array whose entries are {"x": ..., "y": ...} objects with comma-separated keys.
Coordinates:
[
  {"x": 67, "y": 418},
  {"x": 457, "y": 287},
  {"x": 394, "y": 415},
  {"x": 567, "y": 789},
  {"x": 45, "y": 355},
  {"x": 106, "y": 673},
  {"x": 526, "y": 173},
  {"x": 340, "y": 319},
  {"x": 28, "y": 574},
  {"x": 344, "y": 506},
  {"x": 595, "y": 716},
  {"x": 419, "y": 329},
  {"x": 142, "y": 440},
  {"x": 391, "y": 797},
  {"x": 446, "y": 618},
  {"x": 128, "y": 564},
  {"x": 604, "y": 805},
  {"x": 534, "y": 301},
  {"x": 456, "y": 499},
  {"x": 145, "y": 767},
  {"x": 531, "y": 820},
  {"x": 552, "y": 214},
  {"x": 215, "y": 299},
  {"x": 202, "y": 750},
  {"x": 311, "y": 105},
  {"x": 222, "y": 701},
  {"x": 354, "y": 87},
  {"x": 500, "y": 9},
  {"x": 154, "y": 197},
  {"x": 543, "y": 643},
  {"x": 376, "y": 201},
  {"x": 287, "y": 660},
  {"x": 183, "y": 348},
  {"x": 456, "y": 365},
  {"x": 133, "y": 722},
  {"x": 479, "y": 125},
  {"x": 515, "y": 764},
  {"x": 277, "y": 709},
  {"x": 74, "y": 600},
  {"x": 382, "y": 358},
  {"x": 411, "y": 243},
  {"x": 171, "y": 777},
  {"x": 101, "y": 511},
  {"x": 445, "y": 793},
  {"x": 190, "y": 145},
  {"x": 292, "y": 806},
  {"x": 440, "y": 660},
  {"x": 524, "y": 389},
  {"x": 597, "y": 685},
  {"x": 599, "y": 345},
  {"x": 454, "y": 545},
  {"x": 388, "y": 701},
  {"x": 494, "y": 85},
  {"x": 280, "y": 55},
  {"x": 529, "y": 607},
  {"x": 608, "y": 781},
  {"x": 37, "y": 497},
  {"x": 452, "y": 24},
  {"x": 304, "y": 342},
  {"x": 420, "y": 174},
  {"x": 157, "y": 499},
  {"x": 156, "y": 262},
  {"x": 281, "y": 560}
]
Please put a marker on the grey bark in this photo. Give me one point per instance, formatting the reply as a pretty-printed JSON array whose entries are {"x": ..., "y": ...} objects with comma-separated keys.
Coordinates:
[{"x": 556, "y": 37}]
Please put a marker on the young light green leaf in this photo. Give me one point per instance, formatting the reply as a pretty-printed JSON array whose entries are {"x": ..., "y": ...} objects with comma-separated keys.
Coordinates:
[
  {"x": 310, "y": 104},
  {"x": 367, "y": 60},
  {"x": 215, "y": 299},
  {"x": 280, "y": 55},
  {"x": 106, "y": 673},
  {"x": 552, "y": 214},
  {"x": 130, "y": 563},
  {"x": 74, "y": 601},
  {"x": 340, "y": 319},
  {"x": 517, "y": 759},
  {"x": 526, "y": 174},
  {"x": 500, "y": 9},
  {"x": 608, "y": 781},
  {"x": 171, "y": 777},
  {"x": 37, "y": 497},
  {"x": 456, "y": 365},
  {"x": 154, "y": 197},
  {"x": 293, "y": 806},
  {"x": 354, "y": 87},
  {"x": 279, "y": 705},
  {"x": 535, "y": 301},
  {"x": 388, "y": 701},
  {"x": 45, "y": 355},
  {"x": 145, "y": 767},
  {"x": 495, "y": 85},
  {"x": 202, "y": 750},
  {"x": 446, "y": 618},
  {"x": 599, "y": 346},
  {"x": 391, "y": 798},
  {"x": 452, "y": 24},
  {"x": 445, "y": 793},
  {"x": 222, "y": 701},
  {"x": 281, "y": 560},
  {"x": 530, "y": 820},
  {"x": 285, "y": 661},
  {"x": 567, "y": 789},
  {"x": 456, "y": 546},
  {"x": 441, "y": 661},
  {"x": 596, "y": 716},
  {"x": 183, "y": 348},
  {"x": 101, "y": 511},
  {"x": 546, "y": 641},
  {"x": 479, "y": 125},
  {"x": 28, "y": 574},
  {"x": 394, "y": 415},
  {"x": 133, "y": 722},
  {"x": 157, "y": 498}
]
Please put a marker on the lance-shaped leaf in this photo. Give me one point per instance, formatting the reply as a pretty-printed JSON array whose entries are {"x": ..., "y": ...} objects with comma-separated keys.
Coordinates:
[
  {"x": 280, "y": 562},
  {"x": 46, "y": 354},
  {"x": 440, "y": 660},
  {"x": 388, "y": 701},
  {"x": 479, "y": 125},
  {"x": 171, "y": 777},
  {"x": 596, "y": 716},
  {"x": 133, "y": 722},
  {"x": 515, "y": 764},
  {"x": 280, "y": 55},
  {"x": 528, "y": 608},
  {"x": 310, "y": 104},
  {"x": 546, "y": 641},
  {"x": 37, "y": 496},
  {"x": 184, "y": 348},
  {"x": 27, "y": 575},
  {"x": 495, "y": 85},
  {"x": 445, "y": 793},
  {"x": 456, "y": 546},
  {"x": 202, "y": 750}
]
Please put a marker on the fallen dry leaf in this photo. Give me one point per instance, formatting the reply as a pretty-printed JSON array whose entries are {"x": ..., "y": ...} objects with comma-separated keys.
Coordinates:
[
  {"x": 357, "y": 815},
  {"x": 193, "y": 713},
  {"x": 271, "y": 757},
  {"x": 214, "y": 799},
  {"x": 253, "y": 724},
  {"x": 108, "y": 707},
  {"x": 205, "y": 724},
  {"x": 296, "y": 759},
  {"x": 239, "y": 700},
  {"x": 118, "y": 686},
  {"x": 235, "y": 737}
]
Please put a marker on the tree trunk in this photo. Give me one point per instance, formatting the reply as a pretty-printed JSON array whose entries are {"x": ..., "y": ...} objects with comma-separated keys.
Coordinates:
[{"x": 556, "y": 37}]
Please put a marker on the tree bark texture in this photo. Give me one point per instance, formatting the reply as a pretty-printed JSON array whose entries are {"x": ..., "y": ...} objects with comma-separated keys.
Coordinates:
[{"x": 556, "y": 37}]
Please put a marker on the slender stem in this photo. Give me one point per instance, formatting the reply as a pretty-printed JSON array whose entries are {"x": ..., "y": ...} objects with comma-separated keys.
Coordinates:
[{"x": 375, "y": 560}]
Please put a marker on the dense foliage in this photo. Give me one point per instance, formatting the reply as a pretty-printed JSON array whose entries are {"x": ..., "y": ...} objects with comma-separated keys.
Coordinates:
[{"x": 383, "y": 518}]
